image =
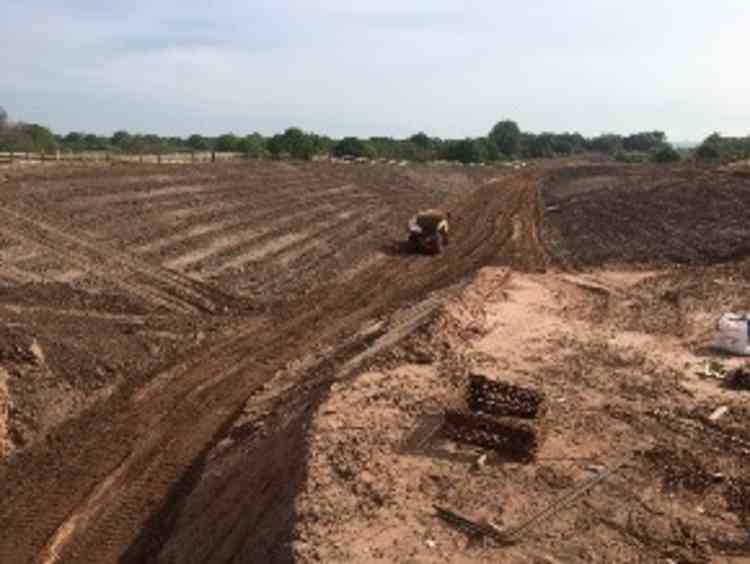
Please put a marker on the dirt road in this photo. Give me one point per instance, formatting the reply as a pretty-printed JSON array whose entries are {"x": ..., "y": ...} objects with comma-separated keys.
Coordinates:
[{"x": 108, "y": 486}]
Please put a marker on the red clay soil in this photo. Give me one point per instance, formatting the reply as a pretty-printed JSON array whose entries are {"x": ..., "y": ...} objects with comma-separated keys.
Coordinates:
[
  {"x": 258, "y": 229},
  {"x": 126, "y": 480},
  {"x": 109, "y": 485},
  {"x": 117, "y": 271}
]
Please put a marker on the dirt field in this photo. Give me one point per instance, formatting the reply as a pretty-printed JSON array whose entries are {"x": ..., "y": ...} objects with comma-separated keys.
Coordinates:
[
  {"x": 260, "y": 230},
  {"x": 226, "y": 363},
  {"x": 115, "y": 272},
  {"x": 622, "y": 215}
]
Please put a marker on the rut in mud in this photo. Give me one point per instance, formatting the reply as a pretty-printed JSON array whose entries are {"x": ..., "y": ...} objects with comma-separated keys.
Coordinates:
[{"x": 111, "y": 483}]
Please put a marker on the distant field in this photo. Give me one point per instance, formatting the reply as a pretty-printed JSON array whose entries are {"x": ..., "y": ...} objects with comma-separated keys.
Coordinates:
[{"x": 255, "y": 229}]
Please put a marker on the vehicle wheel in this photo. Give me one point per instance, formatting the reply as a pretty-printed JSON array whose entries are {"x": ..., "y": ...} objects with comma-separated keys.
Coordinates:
[
  {"x": 413, "y": 244},
  {"x": 439, "y": 244}
]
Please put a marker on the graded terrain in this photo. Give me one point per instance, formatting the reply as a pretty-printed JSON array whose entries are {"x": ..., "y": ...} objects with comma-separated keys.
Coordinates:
[{"x": 221, "y": 363}]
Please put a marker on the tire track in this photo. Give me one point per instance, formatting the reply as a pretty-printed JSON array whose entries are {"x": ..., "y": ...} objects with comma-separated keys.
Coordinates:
[
  {"x": 274, "y": 249},
  {"x": 123, "y": 467},
  {"x": 100, "y": 201},
  {"x": 347, "y": 232},
  {"x": 259, "y": 213},
  {"x": 267, "y": 199},
  {"x": 175, "y": 200},
  {"x": 153, "y": 285},
  {"x": 262, "y": 215},
  {"x": 217, "y": 254}
]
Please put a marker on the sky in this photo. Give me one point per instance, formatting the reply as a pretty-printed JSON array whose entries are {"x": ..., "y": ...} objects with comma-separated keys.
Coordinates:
[{"x": 381, "y": 67}]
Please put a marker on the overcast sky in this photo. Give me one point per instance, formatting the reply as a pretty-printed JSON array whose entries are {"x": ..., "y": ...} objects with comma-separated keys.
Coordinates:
[{"x": 380, "y": 67}]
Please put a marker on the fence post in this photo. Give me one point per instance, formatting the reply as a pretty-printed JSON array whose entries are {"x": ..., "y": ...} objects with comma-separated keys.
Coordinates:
[
  {"x": 140, "y": 158},
  {"x": 57, "y": 155},
  {"x": 213, "y": 156},
  {"x": 11, "y": 157},
  {"x": 192, "y": 157},
  {"x": 158, "y": 157}
]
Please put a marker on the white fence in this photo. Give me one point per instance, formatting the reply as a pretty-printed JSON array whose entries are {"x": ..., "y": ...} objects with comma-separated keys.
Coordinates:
[{"x": 94, "y": 157}]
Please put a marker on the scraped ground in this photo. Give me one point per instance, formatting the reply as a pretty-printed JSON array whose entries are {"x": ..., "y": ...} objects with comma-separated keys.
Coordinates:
[
  {"x": 679, "y": 493},
  {"x": 269, "y": 429}
]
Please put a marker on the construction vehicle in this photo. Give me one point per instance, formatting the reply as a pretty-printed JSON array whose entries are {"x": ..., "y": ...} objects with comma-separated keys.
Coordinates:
[{"x": 428, "y": 231}]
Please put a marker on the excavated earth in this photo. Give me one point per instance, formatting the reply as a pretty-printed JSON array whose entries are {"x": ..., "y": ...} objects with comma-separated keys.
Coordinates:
[{"x": 223, "y": 363}]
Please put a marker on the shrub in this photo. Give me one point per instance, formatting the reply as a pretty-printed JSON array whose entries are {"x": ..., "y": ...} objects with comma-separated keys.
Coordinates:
[
  {"x": 666, "y": 154},
  {"x": 707, "y": 151},
  {"x": 354, "y": 147}
]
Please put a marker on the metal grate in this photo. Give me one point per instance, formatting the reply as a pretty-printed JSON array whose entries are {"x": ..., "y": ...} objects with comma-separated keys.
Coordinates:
[
  {"x": 503, "y": 399},
  {"x": 513, "y": 439}
]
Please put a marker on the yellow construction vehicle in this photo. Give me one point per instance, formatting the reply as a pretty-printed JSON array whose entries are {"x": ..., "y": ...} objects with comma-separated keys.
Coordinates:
[{"x": 428, "y": 231}]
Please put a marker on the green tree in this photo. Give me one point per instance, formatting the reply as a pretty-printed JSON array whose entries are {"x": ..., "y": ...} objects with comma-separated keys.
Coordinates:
[
  {"x": 665, "y": 154},
  {"x": 294, "y": 143},
  {"x": 609, "y": 143},
  {"x": 507, "y": 137},
  {"x": 726, "y": 148},
  {"x": 73, "y": 141},
  {"x": 197, "y": 142},
  {"x": 421, "y": 140},
  {"x": 227, "y": 143},
  {"x": 275, "y": 146},
  {"x": 120, "y": 139},
  {"x": 41, "y": 137},
  {"x": 464, "y": 151},
  {"x": 354, "y": 147},
  {"x": 539, "y": 146},
  {"x": 93, "y": 142},
  {"x": 489, "y": 149},
  {"x": 385, "y": 147},
  {"x": 152, "y": 143},
  {"x": 298, "y": 144},
  {"x": 322, "y": 144},
  {"x": 3, "y": 118},
  {"x": 644, "y": 141},
  {"x": 254, "y": 146},
  {"x": 707, "y": 151}
]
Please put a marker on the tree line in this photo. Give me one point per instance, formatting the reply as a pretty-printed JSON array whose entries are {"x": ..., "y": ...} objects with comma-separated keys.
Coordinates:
[{"x": 505, "y": 141}]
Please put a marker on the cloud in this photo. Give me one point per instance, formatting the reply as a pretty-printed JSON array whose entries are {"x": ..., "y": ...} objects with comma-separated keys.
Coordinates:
[{"x": 390, "y": 67}]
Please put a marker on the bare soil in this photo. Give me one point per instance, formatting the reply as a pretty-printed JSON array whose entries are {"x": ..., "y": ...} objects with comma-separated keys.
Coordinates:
[
  {"x": 222, "y": 363},
  {"x": 624, "y": 403},
  {"x": 637, "y": 215}
]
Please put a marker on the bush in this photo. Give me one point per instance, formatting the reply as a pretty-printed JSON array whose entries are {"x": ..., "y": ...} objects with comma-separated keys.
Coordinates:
[
  {"x": 609, "y": 143},
  {"x": 466, "y": 151},
  {"x": 707, "y": 151},
  {"x": 227, "y": 143},
  {"x": 666, "y": 154},
  {"x": 253, "y": 146},
  {"x": 293, "y": 143},
  {"x": 197, "y": 142},
  {"x": 507, "y": 137},
  {"x": 354, "y": 147}
]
